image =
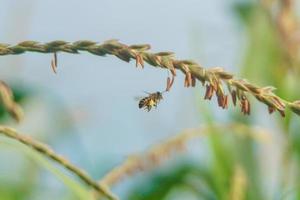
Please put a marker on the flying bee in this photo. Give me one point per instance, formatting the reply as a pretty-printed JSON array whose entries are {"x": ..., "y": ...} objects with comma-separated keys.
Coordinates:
[{"x": 150, "y": 101}]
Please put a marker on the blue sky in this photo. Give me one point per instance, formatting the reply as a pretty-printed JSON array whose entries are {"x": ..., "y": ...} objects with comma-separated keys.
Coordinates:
[{"x": 104, "y": 88}]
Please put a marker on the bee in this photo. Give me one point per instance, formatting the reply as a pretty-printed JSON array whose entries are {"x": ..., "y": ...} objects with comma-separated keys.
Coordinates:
[{"x": 150, "y": 101}]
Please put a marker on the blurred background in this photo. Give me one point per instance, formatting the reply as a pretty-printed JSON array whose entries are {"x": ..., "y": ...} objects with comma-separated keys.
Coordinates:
[{"x": 94, "y": 120}]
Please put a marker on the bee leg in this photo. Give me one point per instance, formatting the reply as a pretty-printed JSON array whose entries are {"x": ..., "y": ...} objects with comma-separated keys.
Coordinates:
[{"x": 148, "y": 108}]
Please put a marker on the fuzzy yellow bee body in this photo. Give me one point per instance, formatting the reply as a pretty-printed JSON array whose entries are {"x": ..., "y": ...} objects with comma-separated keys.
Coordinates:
[{"x": 150, "y": 101}]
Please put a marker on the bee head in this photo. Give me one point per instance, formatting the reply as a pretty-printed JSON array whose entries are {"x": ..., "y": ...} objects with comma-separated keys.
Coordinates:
[{"x": 159, "y": 95}]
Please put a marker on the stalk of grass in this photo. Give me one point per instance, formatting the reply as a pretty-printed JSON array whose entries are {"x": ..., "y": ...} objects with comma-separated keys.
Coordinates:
[
  {"x": 9, "y": 103},
  {"x": 49, "y": 153},
  {"x": 161, "y": 151},
  {"x": 239, "y": 184},
  {"x": 214, "y": 78},
  {"x": 286, "y": 25}
]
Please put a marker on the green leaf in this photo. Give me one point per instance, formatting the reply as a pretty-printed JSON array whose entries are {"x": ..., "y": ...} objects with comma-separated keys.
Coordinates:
[{"x": 77, "y": 189}]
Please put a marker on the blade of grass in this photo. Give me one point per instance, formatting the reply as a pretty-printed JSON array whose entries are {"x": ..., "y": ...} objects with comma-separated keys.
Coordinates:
[{"x": 79, "y": 191}]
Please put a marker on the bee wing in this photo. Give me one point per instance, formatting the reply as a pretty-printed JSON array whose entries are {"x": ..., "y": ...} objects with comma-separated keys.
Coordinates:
[
  {"x": 138, "y": 98},
  {"x": 147, "y": 92}
]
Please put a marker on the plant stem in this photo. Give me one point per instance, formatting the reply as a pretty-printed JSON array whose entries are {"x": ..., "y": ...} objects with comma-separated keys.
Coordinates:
[
  {"x": 49, "y": 153},
  {"x": 216, "y": 78}
]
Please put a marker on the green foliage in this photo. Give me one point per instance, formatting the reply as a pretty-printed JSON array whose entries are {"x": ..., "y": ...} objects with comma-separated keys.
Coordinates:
[
  {"x": 265, "y": 62},
  {"x": 76, "y": 189},
  {"x": 191, "y": 177}
]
